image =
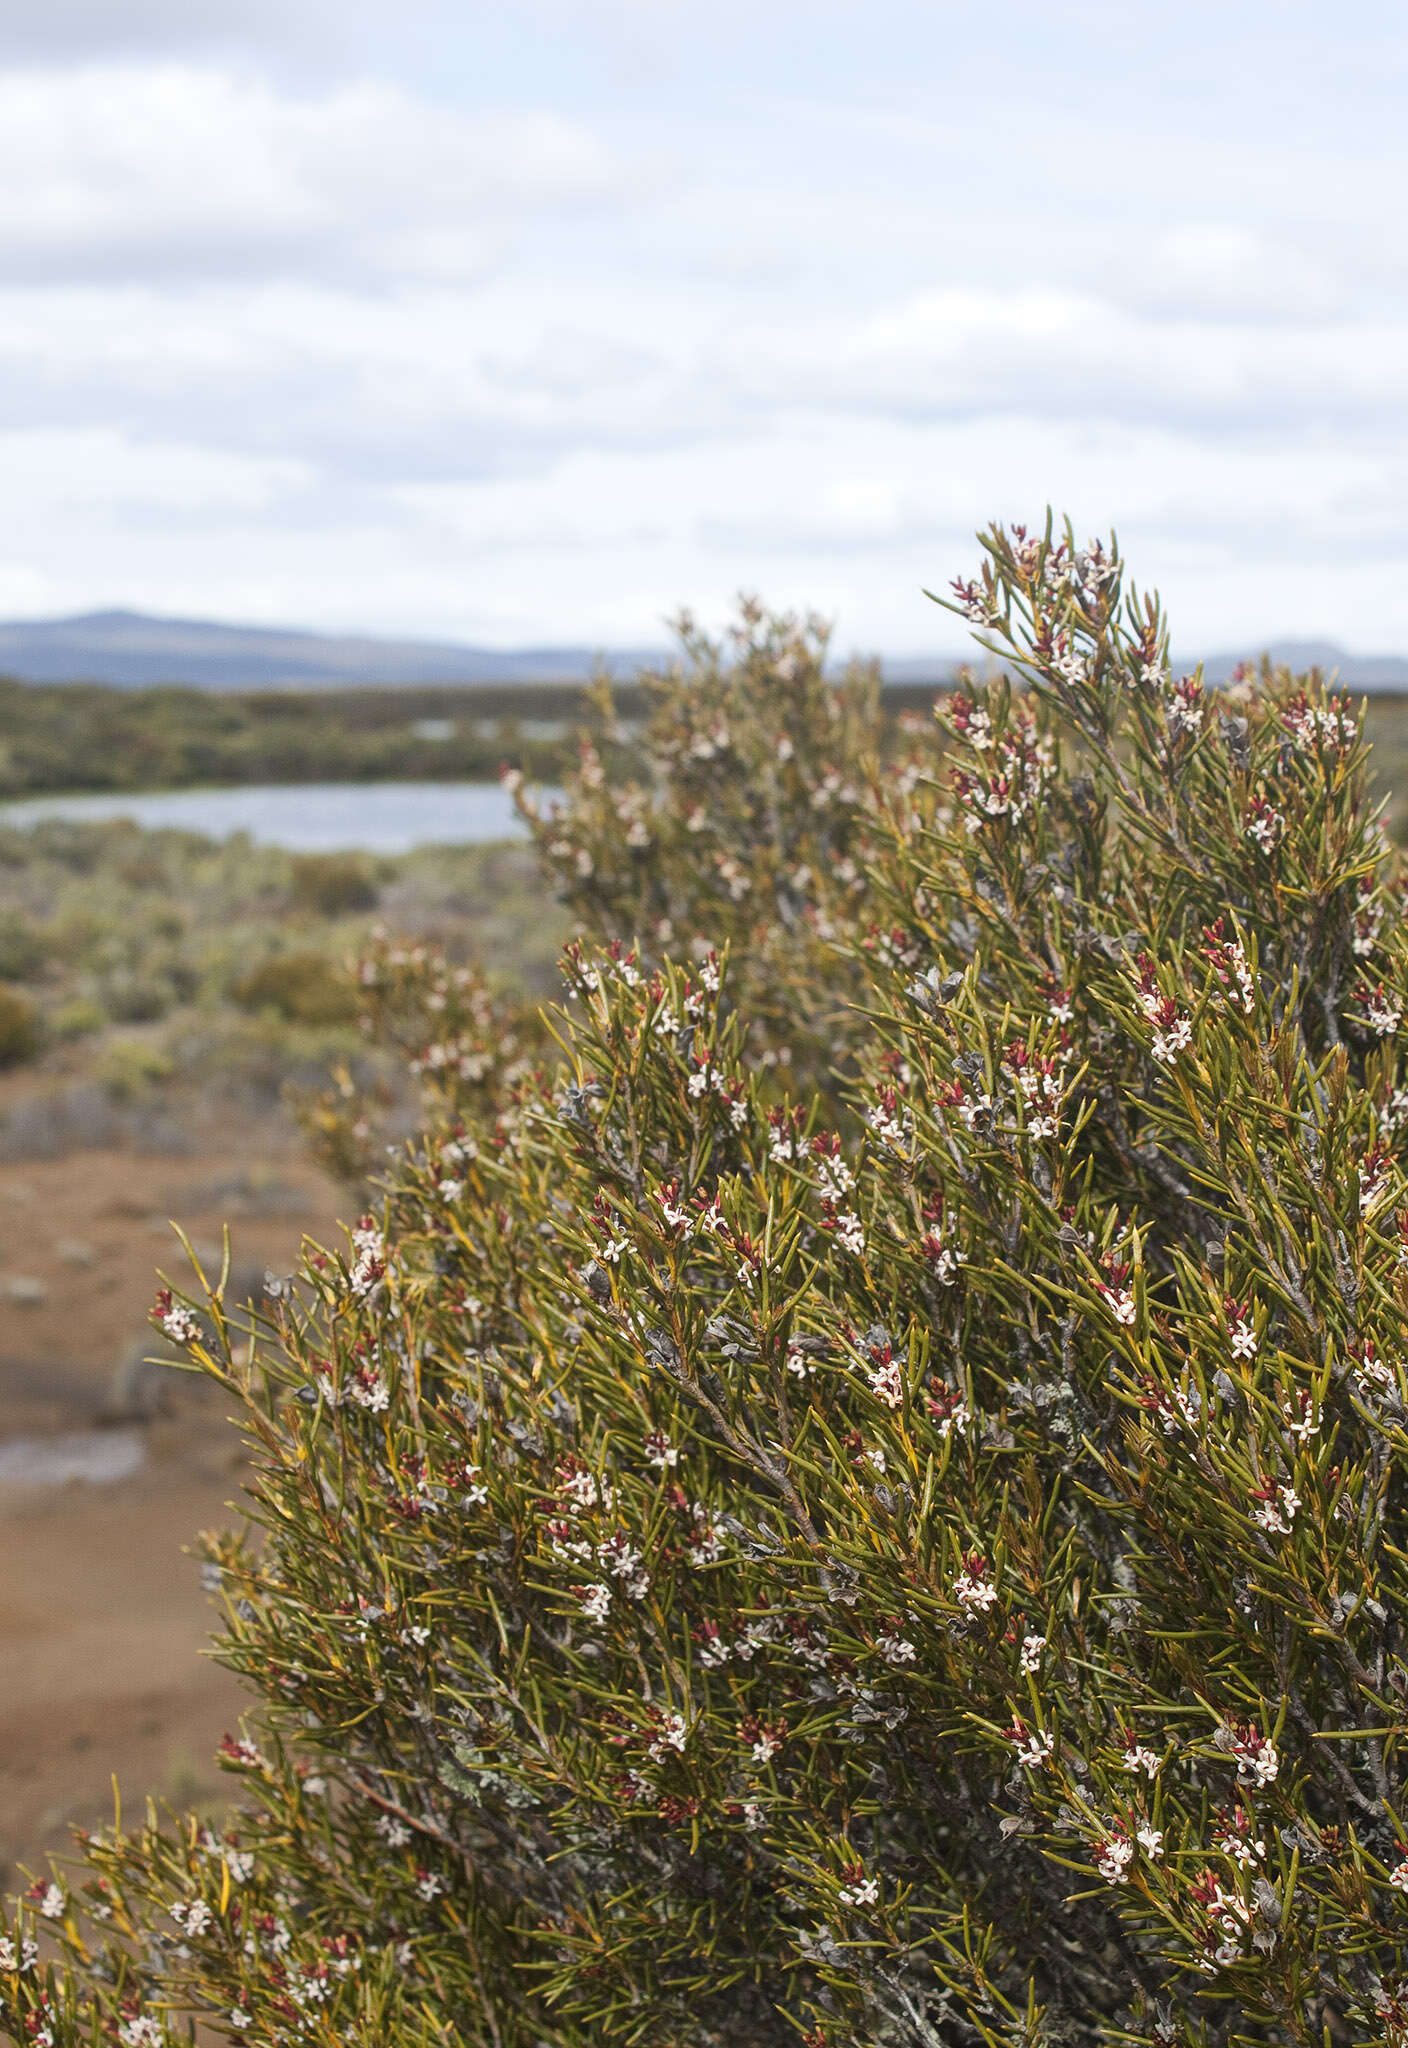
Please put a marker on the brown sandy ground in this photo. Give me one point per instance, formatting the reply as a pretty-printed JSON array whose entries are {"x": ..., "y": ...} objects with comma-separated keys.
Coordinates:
[{"x": 102, "y": 1620}]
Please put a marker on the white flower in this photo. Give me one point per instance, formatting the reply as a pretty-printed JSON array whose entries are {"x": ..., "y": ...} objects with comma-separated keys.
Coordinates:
[
  {"x": 1256, "y": 1758},
  {"x": 1277, "y": 1512},
  {"x": 850, "y": 1233},
  {"x": 895, "y": 1649},
  {"x": 1169, "y": 1044},
  {"x": 973, "y": 1107},
  {"x": 369, "y": 1390},
  {"x": 798, "y": 1363},
  {"x": 1137, "y": 1758},
  {"x": 1266, "y": 826},
  {"x": 596, "y": 1602},
  {"x": 1121, "y": 1304},
  {"x": 51, "y": 1902},
  {"x": 671, "y": 1733},
  {"x": 1398, "y": 1876},
  {"x": 1302, "y": 1424},
  {"x": 1384, "y": 1016},
  {"x": 865, "y": 1892},
  {"x": 1070, "y": 664},
  {"x": 180, "y": 1326},
  {"x": 887, "y": 1384},
  {"x": 140, "y": 2032},
  {"x": 1243, "y": 1337},
  {"x": 1033, "y": 1746},
  {"x": 450, "y": 1190},
  {"x": 973, "y": 1589},
  {"x": 1183, "y": 707},
  {"x": 21, "y": 1959},
  {"x": 369, "y": 1263},
  {"x": 834, "y": 1178},
  {"x": 704, "y": 1547},
  {"x": 1032, "y": 1647},
  {"x": 1114, "y": 1856},
  {"x": 1151, "y": 1840},
  {"x": 1243, "y": 1851}
]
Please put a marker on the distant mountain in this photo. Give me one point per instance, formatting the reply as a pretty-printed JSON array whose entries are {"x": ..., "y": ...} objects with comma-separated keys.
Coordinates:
[
  {"x": 1355, "y": 671},
  {"x": 131, "y": 649}
]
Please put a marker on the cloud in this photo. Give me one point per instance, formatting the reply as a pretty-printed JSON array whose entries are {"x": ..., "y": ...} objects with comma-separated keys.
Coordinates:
[
  {"x": 174, "y": 170},
  {"x": 537, "y": 322}
]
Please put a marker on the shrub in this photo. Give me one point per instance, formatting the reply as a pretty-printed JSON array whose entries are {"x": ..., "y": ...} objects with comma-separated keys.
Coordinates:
[
  {"x": 77, "y": 1018},
  {"x": 331, "y": 884},
  {"x": 913, "y": 1561},
  {"x": 737, "y": 816},
  {"x": 19, "y": 1028},
  {"x": 303, "y": 988},
  {"x": 131, "y": 1068},
  {"x": 22, "y": 951}
]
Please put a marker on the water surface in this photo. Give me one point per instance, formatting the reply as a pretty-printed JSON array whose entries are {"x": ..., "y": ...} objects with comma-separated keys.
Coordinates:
[
  {"x": 307, "y": 817},
  {"x": 98, "y": 1456}
]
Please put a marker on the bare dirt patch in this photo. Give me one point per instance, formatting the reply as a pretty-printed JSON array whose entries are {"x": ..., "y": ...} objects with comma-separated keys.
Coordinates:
[{"x": 103, "y": 1624}]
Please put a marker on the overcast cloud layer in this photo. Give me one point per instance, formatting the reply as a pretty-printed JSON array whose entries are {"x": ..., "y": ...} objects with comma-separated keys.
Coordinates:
[{"x": 535, "y": 327}]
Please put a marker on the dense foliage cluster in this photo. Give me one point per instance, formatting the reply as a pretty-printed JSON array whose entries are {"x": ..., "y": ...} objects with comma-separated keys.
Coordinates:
[{"x": 882, "y": 1527}]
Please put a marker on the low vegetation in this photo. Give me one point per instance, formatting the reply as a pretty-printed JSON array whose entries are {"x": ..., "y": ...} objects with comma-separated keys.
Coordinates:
[
  {"x": 83, "y": 736},
  {"x": 142, "y": 970}
]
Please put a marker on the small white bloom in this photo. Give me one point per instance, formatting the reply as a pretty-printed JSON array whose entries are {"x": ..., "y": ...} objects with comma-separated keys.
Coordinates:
[
  {"x": 1115, "y": 1854},
  {"x": 596, "y": 1602},
  {"x": 671, "y": 1733},
  {"x": 798, "y": 1363},
  {"x": 1169, "y": 1044},
  {"x": 973, "y": 1590},
  {"x": 887, "y": 1384},
  {"x": 865, "y": 1892},
  {"x": 850, "y": 1233}
]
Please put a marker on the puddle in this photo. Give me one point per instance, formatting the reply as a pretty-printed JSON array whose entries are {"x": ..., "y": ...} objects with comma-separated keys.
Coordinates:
[{"x": 97, "y": 1456}]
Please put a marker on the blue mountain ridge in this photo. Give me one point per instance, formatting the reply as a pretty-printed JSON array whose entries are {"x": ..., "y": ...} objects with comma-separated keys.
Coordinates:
[{"x": 131, "y": 649}]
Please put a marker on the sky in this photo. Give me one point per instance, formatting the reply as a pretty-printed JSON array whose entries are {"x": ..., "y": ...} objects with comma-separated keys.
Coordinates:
[{"x": 534, "y": 322}]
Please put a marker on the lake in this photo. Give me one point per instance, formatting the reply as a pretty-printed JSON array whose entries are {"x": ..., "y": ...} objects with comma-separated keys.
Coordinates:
[{"x": 307, "y": 817}]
